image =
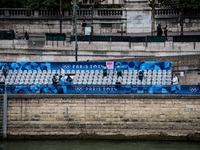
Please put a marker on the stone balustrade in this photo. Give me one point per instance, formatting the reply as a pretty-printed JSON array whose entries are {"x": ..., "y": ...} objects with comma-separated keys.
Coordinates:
[
  {"x": 100, "y": 12},
  {"x": 175, "y": 13},
  {"x": 167, "y": 12},
  {"x": 23, "y": 12}
]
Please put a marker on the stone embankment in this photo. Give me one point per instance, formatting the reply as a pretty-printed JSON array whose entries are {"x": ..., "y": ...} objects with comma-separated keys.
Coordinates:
[
  {"x": 34, "y": 50},
  {"x": 152, "y": 117}
]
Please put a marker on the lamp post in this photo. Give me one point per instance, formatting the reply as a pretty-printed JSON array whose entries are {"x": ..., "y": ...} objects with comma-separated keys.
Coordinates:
[{"x": 76, "y": 44}]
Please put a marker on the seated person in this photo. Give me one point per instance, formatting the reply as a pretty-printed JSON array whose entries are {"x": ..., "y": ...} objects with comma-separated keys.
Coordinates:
[
  {"x": 26, "y": 36},
  {"x": 141, "y": 75},
  {"x": 54, "y": 80},
  {"x": 69, "y": 80},
  {"x": 17, "y": 36}
]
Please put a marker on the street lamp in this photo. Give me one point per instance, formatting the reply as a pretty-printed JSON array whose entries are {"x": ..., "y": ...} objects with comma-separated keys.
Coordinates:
[{"x": 76, "y": 44}]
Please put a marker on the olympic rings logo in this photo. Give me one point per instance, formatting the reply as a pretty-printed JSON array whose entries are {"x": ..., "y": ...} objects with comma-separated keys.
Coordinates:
[
  {"x": 193, "y": 89},
  {"x": 79, "y": 89},
  {"x": 66, "y": 66}
]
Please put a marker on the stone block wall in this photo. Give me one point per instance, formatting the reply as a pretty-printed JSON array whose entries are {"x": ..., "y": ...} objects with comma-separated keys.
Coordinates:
[
  {"x": 190, "y": 24},
  {"x": 53, "y": 26},
  {"x": 104, "y": 116}
]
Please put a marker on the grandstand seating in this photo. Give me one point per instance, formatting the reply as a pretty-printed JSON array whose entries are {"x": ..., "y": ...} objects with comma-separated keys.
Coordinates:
[
  {"x": 88, "y": 77},
  {"x": 36, "y": 78}
]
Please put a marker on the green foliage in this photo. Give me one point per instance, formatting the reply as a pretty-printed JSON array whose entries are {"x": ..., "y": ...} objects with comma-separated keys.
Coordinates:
[
  {"x": 169, "y": 4},
  {"x": 36, "y": 4},
  {"x": 177, "y": 3},
  {"x": 101, "y": 6},
  {"x": 50, "y": 4},
  {"x": 110, "y": 6},
  {"x": 32, "y": 4},
  {"x": 192, "y": 3},
  {"x": 11, "y": 4}
]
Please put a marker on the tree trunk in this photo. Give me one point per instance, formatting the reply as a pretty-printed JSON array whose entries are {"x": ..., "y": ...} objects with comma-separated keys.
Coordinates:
[
  {"x": 73, "y": 19},
  {"x": 153, "y": 20}
]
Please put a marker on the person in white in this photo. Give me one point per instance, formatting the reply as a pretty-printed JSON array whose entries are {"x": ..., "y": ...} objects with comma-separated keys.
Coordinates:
[{"x": 174, "y": 80}]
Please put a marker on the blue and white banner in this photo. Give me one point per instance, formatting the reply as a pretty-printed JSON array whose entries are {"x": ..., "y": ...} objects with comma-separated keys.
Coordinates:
[
  {"x": 100, "y": 89},
  {"x": 86, "y": 65}
]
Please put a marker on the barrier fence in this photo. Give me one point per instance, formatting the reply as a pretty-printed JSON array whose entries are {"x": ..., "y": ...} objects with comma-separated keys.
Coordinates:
[
  {"x": 55, "y": 36},
  {"x": 191, "y": 38},
  {"x": 4, "y": 35},
  {"x": 187, "y": 38},
  {"x": 7, "y": 35},
  {"x": 131, "y": 65},
  {"x": 100, "y": 89}
]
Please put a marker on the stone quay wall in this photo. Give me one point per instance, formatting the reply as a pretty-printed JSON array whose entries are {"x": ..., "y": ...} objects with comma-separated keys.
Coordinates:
[
  {"x": 138, "y": 117},
  {"x": 33, "y": 50}
]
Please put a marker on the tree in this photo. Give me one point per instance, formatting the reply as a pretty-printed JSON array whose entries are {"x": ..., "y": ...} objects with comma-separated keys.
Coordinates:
[
  {"x": 195, "y": 4},
  {"x": 11, "y": 4},
  {"x": 192, "y": 4},
  {"x": 152, "y": 4},
  {"x": 46, "y": 4},
  {"x": 36, "y": 4}
]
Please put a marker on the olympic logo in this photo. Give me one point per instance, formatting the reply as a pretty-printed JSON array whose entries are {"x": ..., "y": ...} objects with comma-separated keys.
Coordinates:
[
  {"x": 66, "y": 66},
  {"x": 193, "y": 89},
  {"x": 79, "y": 89}
]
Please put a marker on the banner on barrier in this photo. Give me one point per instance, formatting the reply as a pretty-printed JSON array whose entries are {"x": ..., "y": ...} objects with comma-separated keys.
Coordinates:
[
  {"x": 86, "y": 65},
  {"x": 100, "y": 89}
]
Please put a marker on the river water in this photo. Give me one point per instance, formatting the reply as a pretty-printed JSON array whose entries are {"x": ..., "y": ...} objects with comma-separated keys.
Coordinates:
[{"x": 97, "y": 145}]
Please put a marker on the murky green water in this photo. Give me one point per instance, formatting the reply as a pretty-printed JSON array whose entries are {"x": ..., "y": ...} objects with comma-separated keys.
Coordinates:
[{"x": 96, "y": 145}]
